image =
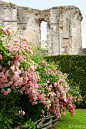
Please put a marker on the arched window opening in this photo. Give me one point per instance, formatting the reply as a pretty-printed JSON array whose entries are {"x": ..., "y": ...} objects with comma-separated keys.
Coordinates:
[{"x": 43, "y": 29}]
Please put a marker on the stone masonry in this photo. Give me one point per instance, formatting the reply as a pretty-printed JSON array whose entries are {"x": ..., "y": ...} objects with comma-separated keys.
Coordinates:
[{"x": 63, "y": 25}]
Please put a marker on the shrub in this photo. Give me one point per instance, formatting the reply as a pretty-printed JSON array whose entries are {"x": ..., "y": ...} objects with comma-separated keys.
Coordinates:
[
  {"x": 28, "y": 86},
  {"x": 75, "y": 67}
]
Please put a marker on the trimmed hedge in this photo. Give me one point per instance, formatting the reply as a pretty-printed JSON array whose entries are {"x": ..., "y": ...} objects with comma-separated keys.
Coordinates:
[{"x": 75, "y": 66}]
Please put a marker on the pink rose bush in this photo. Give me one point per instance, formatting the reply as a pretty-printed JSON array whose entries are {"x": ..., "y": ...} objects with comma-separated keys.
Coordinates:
[
  {"x": 55, "y": 90},
  {"x": 20, "y": 76},
  {"x": 41, "y": 82}
]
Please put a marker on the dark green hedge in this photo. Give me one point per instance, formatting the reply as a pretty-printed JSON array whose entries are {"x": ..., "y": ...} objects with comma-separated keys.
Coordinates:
[{"x": 75, "y": 66}]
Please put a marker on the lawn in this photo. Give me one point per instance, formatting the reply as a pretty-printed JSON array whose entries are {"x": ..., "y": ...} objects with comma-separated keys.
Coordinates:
[{"x": 78, "y": 121}]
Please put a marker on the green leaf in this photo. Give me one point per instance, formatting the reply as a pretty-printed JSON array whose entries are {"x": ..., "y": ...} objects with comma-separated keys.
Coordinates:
[
  {"x": 10, "y": 121},
  {"x": 0, "y": 43},
  {"x": 0, "y": 119},
  {"x": 4, "y": 26}
]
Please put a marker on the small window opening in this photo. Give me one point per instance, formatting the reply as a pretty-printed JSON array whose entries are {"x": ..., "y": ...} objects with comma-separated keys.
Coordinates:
[{"x": 43, "y": 29}]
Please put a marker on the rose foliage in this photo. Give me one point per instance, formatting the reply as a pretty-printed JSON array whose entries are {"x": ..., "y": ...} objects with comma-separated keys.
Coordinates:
[{"x": 40, "y": 81}]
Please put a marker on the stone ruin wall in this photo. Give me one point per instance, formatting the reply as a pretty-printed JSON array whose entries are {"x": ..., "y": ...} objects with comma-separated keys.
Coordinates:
[
  {"x": 63, "y": 26},
  {"x": 8, "y": 15}
]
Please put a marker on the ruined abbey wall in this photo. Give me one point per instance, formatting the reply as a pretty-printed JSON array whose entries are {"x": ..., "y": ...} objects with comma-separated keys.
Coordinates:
[
  {"x": 8, "y": 15},
  {"x": 63, "y": 25}
]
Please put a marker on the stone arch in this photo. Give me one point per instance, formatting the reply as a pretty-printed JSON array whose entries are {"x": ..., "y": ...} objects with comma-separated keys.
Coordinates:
[
  {"x": 79, "y": 16},
  {"x": 76, "y": 18},
  {"x": 43, "y": 29},
  {"x": 44, "y": 15},
  {"x": 43, "y": 32}
]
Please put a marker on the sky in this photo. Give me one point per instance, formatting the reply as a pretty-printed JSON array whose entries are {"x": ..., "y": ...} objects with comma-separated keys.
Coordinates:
[{"x": 46, "y": 4}]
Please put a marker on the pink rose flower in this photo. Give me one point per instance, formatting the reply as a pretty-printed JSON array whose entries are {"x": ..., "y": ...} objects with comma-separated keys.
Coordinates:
[
  {"x": 8, "y": 62},
  {"x": 15, "y": 40},
  {"x": 5, "y": 93},
  {"x": 31, "y": 52},
  {"x": 24, "y": 38},
  {"x": 0, "y": 57},
  {"x": 8, "y": 90},
  {"x": 23, "y": 113},
  {"x": 4, "y": 79},
  {"x": 48, "y": 82},
  {"x": 3, "y": 70},
  {"x": 42, "y": 111},
  {"x": 0, "y": 67}
]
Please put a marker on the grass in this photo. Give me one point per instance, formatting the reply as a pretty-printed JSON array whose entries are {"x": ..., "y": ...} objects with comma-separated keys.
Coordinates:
[{"x": 78, "y": 121}]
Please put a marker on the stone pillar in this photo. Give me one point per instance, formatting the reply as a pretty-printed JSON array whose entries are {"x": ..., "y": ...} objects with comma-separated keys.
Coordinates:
[
  {"x": 33, "y": 30},
  {"x": 74, "y": 34},
  {"x": 54, "y": 32},
  {"x": 48, "y": 38},
  {"x": 56, "y": 39}
]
